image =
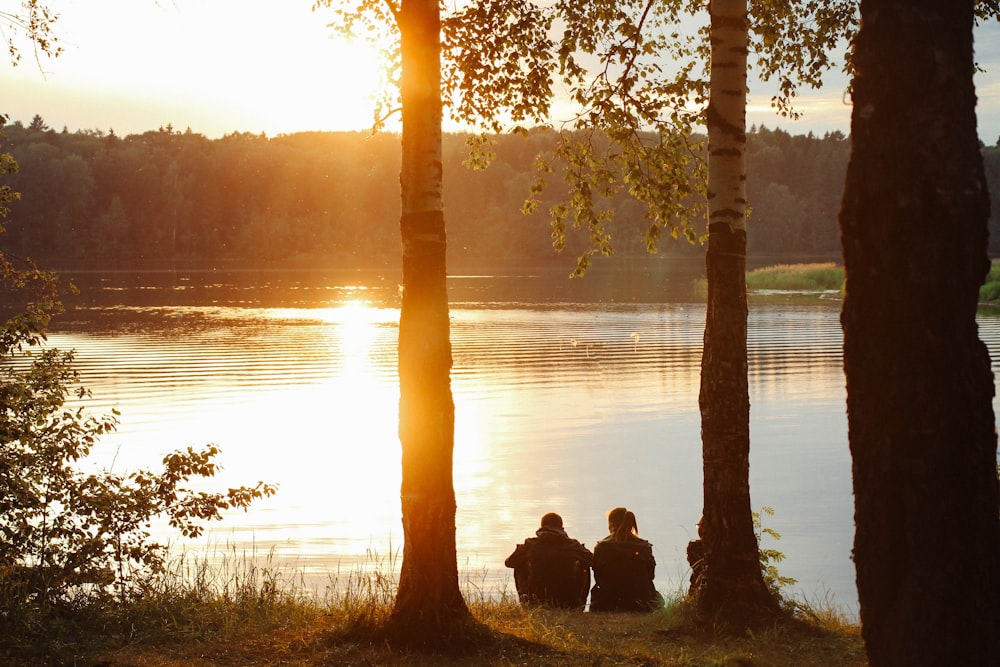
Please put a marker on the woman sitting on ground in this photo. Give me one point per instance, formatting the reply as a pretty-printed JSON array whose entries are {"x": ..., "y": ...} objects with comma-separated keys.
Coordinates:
[{"x": 624, "y": 568}]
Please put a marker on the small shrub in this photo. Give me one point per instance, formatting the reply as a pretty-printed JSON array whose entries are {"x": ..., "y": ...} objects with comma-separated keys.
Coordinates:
[
  {"x": 769, "y": 558},
  {"x": 70, "y": 539},
  {"x": 67, "y": 535}
]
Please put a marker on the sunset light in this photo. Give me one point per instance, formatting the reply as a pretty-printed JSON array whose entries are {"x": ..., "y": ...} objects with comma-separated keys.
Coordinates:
[
  {"x": 228, "y": 66},
  {"x": 485, "y": 332},
  {"x": 215, "y": 67}
]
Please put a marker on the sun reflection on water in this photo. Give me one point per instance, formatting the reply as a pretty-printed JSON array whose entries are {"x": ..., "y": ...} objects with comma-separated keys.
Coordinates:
[
  {"x": 327, "y": 441},
  {"x": 355, "y": 477},
  {"x": 307, "y": 398}
]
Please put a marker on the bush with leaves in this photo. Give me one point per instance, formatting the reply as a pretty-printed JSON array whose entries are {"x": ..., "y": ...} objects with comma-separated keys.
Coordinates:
[
  {"x": 65, "y": 535},
  {"x": 769, "y": 558},
  {"x": 64, "y": 532}
]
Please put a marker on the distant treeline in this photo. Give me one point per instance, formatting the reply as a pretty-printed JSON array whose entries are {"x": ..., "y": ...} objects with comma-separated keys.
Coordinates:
[{"x": 334, "y": 197}]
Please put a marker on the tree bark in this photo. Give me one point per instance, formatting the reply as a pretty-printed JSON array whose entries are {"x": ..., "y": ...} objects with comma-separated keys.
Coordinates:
[
  {"x": 733, "y": 588},
  {"x": 429, "y": 599},
  {"x": 919, "y": 385}
]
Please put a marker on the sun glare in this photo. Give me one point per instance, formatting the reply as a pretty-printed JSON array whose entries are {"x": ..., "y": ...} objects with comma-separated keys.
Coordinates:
[
  {"x": 336, "y": 89},
  {"x": 332, "y": 448},
  {"x": 217, "y": 70},
  {"x": 356, "y": 332}
]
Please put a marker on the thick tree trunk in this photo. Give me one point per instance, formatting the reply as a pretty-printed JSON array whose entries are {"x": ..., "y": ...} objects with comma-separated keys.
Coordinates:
[
  {"x": 919, "y": 386},
  {"x": 733, "y": 587},
  {"x": 429, "y": 599}
]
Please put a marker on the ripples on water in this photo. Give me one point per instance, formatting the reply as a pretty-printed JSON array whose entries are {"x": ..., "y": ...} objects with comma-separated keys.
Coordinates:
[{"x": 573, "y": 407}]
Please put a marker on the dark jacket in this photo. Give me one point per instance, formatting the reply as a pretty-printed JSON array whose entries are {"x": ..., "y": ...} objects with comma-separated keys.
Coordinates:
[
  {"x": 551, "y": 569},
  {"x": 623, "y": 572},
  {"x": 696, "y": 559}
]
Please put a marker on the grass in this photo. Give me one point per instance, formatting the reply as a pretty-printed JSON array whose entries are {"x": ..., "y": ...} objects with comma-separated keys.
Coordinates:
[
  {"x": 818, "y": 277},
  {"x": 827, "y": 276},
  {"x": 821, "y": 277},
  {"x": 241, "y": 613},
  {"x": 990, "y": 291}
]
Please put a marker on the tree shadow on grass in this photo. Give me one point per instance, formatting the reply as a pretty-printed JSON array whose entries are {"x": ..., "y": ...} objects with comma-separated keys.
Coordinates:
[{"x": 465, "y": 641}]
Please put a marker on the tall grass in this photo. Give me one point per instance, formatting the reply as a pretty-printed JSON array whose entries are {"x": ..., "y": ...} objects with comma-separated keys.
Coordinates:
[
  {"x": 990, "y": 291},
  {"x": 820, "y": 277},
  {"x": 240, "y": 610},
  {"x": 830, "y": 277}
]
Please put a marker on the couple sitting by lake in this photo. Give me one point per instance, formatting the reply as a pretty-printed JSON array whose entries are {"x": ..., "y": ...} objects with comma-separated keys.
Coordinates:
[{"x": 554, "y": 569}]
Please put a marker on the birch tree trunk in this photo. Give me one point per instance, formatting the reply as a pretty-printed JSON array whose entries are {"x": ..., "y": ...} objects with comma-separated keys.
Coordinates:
[
  {"x": 734, "y": 588},
  {"x": 919, "y": 384},
  {"x": 429, "y": 599}
]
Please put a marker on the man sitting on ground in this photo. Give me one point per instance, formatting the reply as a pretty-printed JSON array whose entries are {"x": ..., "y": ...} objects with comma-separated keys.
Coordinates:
[{"x": 551, "y": 568}]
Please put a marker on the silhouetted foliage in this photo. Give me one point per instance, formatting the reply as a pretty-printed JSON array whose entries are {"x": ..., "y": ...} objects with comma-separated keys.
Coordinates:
[
  {"x": 67, "y": 536},
  {"x": 166, "y": 194}
]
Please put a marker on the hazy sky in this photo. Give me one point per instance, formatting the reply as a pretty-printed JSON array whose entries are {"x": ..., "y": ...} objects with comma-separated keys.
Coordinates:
[{"x": 219, "y": 66}]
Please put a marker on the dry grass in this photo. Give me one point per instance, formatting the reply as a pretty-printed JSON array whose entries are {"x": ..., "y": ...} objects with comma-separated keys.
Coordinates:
[
  {"x": 241, "y": 614},
  {"x": 515, "y": 636}
]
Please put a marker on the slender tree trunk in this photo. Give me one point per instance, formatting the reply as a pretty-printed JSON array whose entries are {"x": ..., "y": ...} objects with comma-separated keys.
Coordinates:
[
  {"x": 429, "y": 599},
  {"x": 919, "y": 386},
  {"x": 734, "y": 588}
]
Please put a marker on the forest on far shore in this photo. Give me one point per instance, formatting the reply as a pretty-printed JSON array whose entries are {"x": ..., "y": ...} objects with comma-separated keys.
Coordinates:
[{"x": 334, "y": 197}]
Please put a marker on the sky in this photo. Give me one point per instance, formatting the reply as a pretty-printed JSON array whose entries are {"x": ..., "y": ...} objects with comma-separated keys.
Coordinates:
[{"x": 220, "y": 66}]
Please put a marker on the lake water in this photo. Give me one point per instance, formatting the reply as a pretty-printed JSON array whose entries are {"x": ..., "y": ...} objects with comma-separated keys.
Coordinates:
[{"x": 571, "y": 396}]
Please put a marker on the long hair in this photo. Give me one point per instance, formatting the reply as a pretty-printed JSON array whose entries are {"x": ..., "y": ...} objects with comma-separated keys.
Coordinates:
[
  {"x": 615, "y": 517},
  {"x": 626, "y": 529}
]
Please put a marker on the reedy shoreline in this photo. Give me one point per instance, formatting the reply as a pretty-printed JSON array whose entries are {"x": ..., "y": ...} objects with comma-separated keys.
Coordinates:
[{"x": 244, "y": 612}]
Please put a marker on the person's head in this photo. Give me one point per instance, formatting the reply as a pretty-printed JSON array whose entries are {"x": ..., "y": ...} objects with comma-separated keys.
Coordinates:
[
  {"x": 701, "y": 523},
  {"x": 615, "y": 517},
  {"x": 626, "y": 528},
  {"x": 552, "y": 520}
]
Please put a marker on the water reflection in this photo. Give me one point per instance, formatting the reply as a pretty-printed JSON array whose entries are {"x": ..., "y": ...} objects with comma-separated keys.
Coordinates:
[
  {"x": 574, "y": 409},
  {"x": 574, "y": 406}
]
